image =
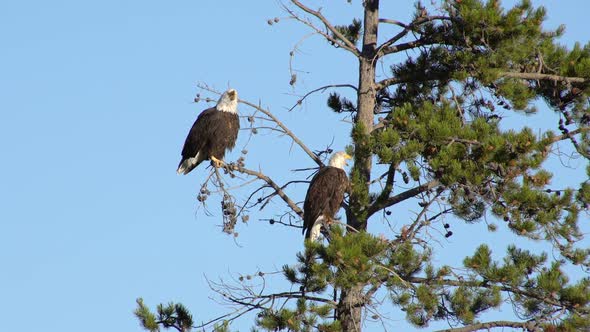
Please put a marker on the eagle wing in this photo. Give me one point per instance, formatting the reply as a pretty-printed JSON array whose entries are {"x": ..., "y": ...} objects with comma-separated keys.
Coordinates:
[
  {"x": 202, "y": 129},
  {"x": 212, "y": 133},
  {"x": 324, "y": 195}
]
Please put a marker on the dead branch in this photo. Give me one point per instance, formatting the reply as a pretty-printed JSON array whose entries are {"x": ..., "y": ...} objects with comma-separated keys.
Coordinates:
[
  {"x": 287, "y": 131},
  {"x": 381, "y": 204},
  {"x": 394, "y": 22},
  {"x": 269, "y": 197},
  {"x": 545, "y": 77},
  {"x": 322, "y": 89},
  {"x": 293, "y": 78},
  {"x": 341, "y": 40},
  {"x": 388, "y": 188},
  {"x": 406, "y": 46},
  {"x": 527, "y": 326},
  {"x": 562, "y": 137},
  {"x": 386, "y": 48},
  {"x": 417, "y": 224},
  {"x": 279, "y": 191}
]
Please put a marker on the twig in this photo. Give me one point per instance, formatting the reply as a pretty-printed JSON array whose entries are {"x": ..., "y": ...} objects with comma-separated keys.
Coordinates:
[
  {"x": 527, "y": 326},
  {"x": 406, "y": 46},
  {"x": 342, "y": 41},
  {"x": 287, "y": 131},
  {"x": 322, "y": 89},
  {"x": 417, "y": 224},
  {"x": 383, "y": 49},
  {"x": 394, "y": 22},
  {"x": 381, "y": 204},
  {"x": 293, "y": 78},
  {"x": 271, "y": 183},
  {"x": 541, "y": 77},
  {"x": 269, "y": 197},
  {"x": 387, "y": 189},
  {"x": 562, "y": 137},
  {"x": 304, "y": 169}
]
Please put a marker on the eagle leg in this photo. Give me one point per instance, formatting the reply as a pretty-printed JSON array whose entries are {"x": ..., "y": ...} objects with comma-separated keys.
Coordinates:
[
  {"x": 329, "y": 221},
  {"x": 216, "y": 162},
  {"x": 325, "y": 230}
]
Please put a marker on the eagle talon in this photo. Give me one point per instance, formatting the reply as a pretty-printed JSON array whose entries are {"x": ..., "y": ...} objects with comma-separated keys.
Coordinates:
[
  {"x": 214, "y": 132},
  {"x": 325, "y": 231},
  {"x": 217, "y": 163}
]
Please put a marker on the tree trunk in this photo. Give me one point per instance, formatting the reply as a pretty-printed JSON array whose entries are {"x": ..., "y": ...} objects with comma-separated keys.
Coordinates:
[
  {"x": 359, "y": 199},
  {"x": 352, "y": 299},
  {"x": 349, "y": 309}
]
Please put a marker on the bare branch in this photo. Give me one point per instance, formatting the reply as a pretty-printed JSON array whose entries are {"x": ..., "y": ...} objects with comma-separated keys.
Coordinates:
[
  {"x": 269, "y": 197},
  {"x": 417, "y": 22},
  {"x": 388, "y": 185},
  {"x": 250, "y": 197},
  {"x": 280, "y": 221},
  {"x": 527, "y": 326},
  {"x": 406, "y": 46},
  {"x": 322, "y": 89},
  {"x": 391, "y": 41},
  {"x": 562, "y": 137},
  {"x": 411, "y": 232},
  {"x": 293, "y": 76},
  {"x": 271, "y": 183},
  {"x": 387, "y": 82},
  {"x": 237, "y": 314},
  {"x": 394, "y": 22},
  {"x": 544, "y": 77},
  {"x": 263, "y": 128},
  {"x": 385, "y": 48},
  {"x": 342, "y": 41},
  {"x": 297, "y": 295},
  {"x": 287, "y": 131},
  {"x": 381, "y": 204}
]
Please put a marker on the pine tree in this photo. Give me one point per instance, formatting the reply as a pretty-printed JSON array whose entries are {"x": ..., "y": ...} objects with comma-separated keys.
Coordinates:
[{"x": 436, "y": 125}]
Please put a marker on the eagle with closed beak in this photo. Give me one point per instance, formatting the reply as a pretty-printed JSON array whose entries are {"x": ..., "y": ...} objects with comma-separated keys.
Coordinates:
[
  {"x": 214, "y": 132},
  {"x": 325, "y": 195}
]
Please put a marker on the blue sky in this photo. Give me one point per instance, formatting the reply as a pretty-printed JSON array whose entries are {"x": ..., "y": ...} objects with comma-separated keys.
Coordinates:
[{"x": 96, "y": 101}]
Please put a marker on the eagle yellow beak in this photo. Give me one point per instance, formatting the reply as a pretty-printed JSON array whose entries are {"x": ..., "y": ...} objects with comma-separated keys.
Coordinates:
[{"x": 347, "y": 157}]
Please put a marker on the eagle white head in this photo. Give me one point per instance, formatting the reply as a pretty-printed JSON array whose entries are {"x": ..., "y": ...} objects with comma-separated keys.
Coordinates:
[
  {"x": 228, "y": 102},
  {"x": 339, "y": 159}
]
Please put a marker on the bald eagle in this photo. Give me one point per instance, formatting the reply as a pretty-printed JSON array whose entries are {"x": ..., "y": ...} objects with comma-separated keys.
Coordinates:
[
  {"x": 324, "y": 195},
  {"x": 214, "y": 132}
]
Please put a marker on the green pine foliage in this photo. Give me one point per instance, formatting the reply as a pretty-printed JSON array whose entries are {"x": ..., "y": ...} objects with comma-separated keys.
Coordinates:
[
  {"x": 352, "y": 32},
  {"x": 172, "y": 315},
  {"x": 147, "y": 319},
  {"x": 340, "y": 104}
]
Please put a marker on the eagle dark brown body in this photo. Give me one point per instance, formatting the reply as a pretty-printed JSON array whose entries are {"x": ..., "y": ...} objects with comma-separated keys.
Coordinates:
[
  {"x": 325, "y": 193},
  {"x": 214, "y": 132}
]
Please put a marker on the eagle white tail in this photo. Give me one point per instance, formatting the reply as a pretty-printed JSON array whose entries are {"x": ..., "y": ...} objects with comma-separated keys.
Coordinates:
[
  {"x": 181, "y": 169},
  {"x": 187, "y": 165},
  {"x": 316, "y": 229}
]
